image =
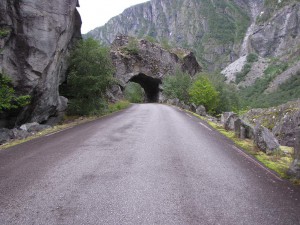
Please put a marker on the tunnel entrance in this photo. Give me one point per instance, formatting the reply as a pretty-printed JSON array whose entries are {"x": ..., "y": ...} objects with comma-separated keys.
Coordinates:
[{"x": 150, "y": 85}]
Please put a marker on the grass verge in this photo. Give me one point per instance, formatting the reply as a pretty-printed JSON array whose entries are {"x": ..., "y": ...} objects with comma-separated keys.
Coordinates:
[
  {"x": 278, "y": 162},
  {"x": 69, "y": 122}
]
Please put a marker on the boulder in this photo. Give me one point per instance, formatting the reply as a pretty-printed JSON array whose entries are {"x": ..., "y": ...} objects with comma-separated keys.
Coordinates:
[
  {"x": 228, "y": 119},
  {"x": 5, "y": 135},
  {"x": 201, "y": 110},
  {"x": 34, "y": 127},
  {"x": 294, "y": 169},
  {"x": 265, "y": 140},
  {"x": 19, "y": 134},
  {"x": 193, "y": 107}
]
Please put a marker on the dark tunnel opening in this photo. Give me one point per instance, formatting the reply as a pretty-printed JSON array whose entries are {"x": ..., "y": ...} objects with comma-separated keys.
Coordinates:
[{"x": 150, "y": 86}]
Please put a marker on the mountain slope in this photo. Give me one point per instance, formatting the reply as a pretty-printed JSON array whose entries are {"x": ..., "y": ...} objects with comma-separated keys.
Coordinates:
[{"x": 213, "y": 29}]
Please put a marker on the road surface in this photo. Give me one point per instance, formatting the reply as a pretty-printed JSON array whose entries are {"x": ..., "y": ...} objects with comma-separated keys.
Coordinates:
[{"x": 150, "y": 164}]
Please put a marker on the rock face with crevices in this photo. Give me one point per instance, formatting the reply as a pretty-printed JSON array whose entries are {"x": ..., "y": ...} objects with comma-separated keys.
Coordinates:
[
  {"x": 36, "y": 38},
  {"x": 146, "y": 63}
]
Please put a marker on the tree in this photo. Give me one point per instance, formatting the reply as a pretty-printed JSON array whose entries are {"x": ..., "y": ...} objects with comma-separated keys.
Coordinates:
[
  {"x": 177, "y": 86},
  {"x": 8, "y": 98},
  {"x": 204, "y": 93},
  {"x": 90, "y": 75}
]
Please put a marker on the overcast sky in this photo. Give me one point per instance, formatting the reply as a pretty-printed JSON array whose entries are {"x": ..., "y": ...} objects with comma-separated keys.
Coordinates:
[{"x": 95, "y": 13}]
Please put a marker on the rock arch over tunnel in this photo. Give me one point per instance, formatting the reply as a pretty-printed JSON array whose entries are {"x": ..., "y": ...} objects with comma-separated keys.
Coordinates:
[{"x": 150, "y": 85}]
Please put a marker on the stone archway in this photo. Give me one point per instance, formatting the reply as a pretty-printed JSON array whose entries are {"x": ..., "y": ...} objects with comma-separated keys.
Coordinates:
[{"x": 150, "y": 86}]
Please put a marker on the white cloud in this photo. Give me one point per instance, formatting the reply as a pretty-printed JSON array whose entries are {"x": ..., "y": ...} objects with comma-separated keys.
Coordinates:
[{"x": 95, "y": 13}]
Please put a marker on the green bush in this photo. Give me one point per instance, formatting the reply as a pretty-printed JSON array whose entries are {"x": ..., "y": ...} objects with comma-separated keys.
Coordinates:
[
  {"x": 134, "y": 93},
  {"x": 242, "y": 75},
  {"x": 90, "y": 74},
  {"x": 252, "y": 57},
  {"x": 8, "y": 98},
  {"x": 177, "y": 86},
  {"x": 203, "y": 92}
]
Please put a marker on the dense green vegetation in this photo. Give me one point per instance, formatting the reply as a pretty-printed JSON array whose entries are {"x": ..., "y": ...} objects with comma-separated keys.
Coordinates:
[
  {"x": 254, "y": 96},
  {"x": 177, "y": 86},
  {"x": 203, "y": 92},
  {"x": 89, "y": 76},
  {"x": 206, "y": 89},
  {"x": 8, "y": 97},
  {"x": 134, "y": 93}
]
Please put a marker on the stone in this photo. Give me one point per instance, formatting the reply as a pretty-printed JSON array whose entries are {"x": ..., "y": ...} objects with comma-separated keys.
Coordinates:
[
  {"x": 5, "y": 135},
  {"x": 294, "y": 169},
  {"x": 19, "y": 134},
  {"x": 248, "y": 130},
  {"x": 193, "y": 107},
  {"x": 34, "y": 127},
  {"x": 201, "y": 110},
  {"x": 35, "y": 52},
  {"x": 147, "y": 63},
  {"x": 237, "y": 127},
  {"x": 228, "y": 119},
  {"x": 243, "y": 133},
  {"x": 265, "y": 140}
]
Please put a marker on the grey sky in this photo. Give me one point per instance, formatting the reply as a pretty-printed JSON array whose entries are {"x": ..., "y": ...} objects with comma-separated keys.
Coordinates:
[{"x": 95, "y": 13}]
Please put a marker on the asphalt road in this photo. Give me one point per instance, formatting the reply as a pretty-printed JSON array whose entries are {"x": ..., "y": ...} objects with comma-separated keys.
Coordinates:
[{"x": 150, "y": 164}]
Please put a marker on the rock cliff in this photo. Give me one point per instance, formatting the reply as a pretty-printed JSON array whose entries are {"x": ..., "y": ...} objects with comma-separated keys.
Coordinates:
[
  {"x": 146, "y": 63},
  {"x": 35, "y": 40},
  {"x": 213, "y": 29}
]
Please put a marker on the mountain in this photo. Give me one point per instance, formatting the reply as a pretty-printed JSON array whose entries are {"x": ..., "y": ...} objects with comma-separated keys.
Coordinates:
[
  {"x": 213, "y": 29},
  {"x": 225, "y": 35}
]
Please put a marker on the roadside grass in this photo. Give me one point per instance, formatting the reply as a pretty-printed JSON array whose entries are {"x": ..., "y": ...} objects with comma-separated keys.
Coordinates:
[
  {"x": 278, "y": 161},
  {"x": 69, "y": 122}
]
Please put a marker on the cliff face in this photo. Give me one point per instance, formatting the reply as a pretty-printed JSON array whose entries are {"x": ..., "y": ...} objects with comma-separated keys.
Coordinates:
[
  {"x": 35, "y": 40},
  {"x": 213, "y": 29},
  {"x": 147, "y": 63}
]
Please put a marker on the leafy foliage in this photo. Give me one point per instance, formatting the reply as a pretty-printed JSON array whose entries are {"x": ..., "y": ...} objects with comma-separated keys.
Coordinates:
[
  {"x": 252, "y": 57},
  {"x": 8, "y": 98},
  {"x": 242, "y": 75},
  {"x": 134, "y": 93},
  {"x": 90, "y": 75},
  {"x": 202, "y": 92},
  {"x": 177, "y": 86}
]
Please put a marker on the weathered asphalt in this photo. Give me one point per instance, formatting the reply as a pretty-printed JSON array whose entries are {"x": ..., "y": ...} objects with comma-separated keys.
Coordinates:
[{"x": 150, "y": 164}]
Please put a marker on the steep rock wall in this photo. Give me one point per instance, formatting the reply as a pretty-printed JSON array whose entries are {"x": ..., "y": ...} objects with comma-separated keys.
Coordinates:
[
  {"x": 34, "y": 48},
  {"x": 213, "y": 29}
]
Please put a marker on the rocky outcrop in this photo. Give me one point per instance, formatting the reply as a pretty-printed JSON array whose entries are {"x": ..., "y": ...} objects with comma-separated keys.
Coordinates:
[
  {"x": 282, "y": 120},
  {"x": 276, "y": 36},
  {"x": 35, "y": 40},
  {"x": 146, "y": 63},
  {"x": 214, "y": 29}
]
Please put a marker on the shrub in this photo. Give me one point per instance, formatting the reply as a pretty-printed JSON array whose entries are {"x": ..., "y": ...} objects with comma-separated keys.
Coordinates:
[
  {"x": 177, "y": 86},
  {"x": 90, "y": 74},
  {"x": 252, "y": 57},
  {"x": 242, "y": 75},
  {"x": 203, "y": 92},
  {"x": 8, "y": 98}
]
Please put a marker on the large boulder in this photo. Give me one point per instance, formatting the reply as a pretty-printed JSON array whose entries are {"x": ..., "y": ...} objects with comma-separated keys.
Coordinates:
[
  {"x": 265, "y": 140},
  {"x": 228, "y": 119},
  {"x": 200, "y": 110},
  {"x": 35, "y": 46},
  {"x": 295, "y": 167},
  {"x": 5, "y": 135},
  {"x": 34, "y": 127}
]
